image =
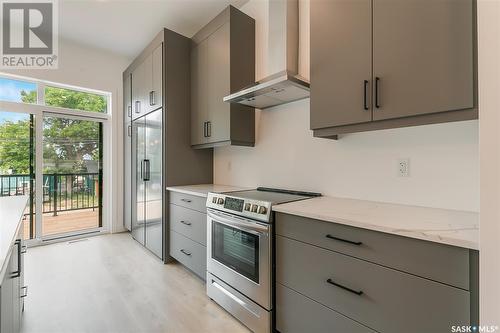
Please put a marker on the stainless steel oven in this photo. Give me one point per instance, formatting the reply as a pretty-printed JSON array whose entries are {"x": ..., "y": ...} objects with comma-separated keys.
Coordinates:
[{"x": 240, "y": 253}]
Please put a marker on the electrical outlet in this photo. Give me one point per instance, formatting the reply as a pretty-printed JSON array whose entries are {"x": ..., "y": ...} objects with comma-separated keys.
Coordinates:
[{"x": 404, "y": 167}]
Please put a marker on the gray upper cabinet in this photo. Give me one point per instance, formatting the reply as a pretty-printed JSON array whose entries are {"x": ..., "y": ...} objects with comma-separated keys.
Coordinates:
[
  {"x": 147, "y": 84},
  {"x": 378, "y": 64},
  {"x": 127, "y": 97},
  {"x": 222, "y": 62},
  {"x": 422, "y": 56},
  {"x": 219, "y": 81},
  {"x": 341, "y": 69},
  {"x": 199, "y": 91}
]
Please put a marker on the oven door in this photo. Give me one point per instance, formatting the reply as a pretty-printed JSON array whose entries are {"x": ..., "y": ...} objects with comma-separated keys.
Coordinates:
[{"x": 239, "y": 253}]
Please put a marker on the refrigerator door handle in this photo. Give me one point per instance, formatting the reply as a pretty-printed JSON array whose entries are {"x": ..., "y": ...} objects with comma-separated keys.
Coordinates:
[
  {"x": 147, "y": 170},
  {"x": 142, "y": 169}
]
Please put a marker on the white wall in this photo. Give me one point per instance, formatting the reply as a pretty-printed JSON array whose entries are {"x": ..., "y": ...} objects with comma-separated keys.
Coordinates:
[
  {"x": 444, "y": 158},
  {"x": 86, "y": 67},
  {"x": 489, "y": 108}
]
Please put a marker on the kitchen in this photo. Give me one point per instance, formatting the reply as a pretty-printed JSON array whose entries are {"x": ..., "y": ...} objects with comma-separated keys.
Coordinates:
[{"x": 235, "y": 186}]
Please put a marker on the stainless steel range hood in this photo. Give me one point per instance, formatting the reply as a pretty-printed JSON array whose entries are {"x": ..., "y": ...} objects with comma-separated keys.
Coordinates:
[{"x": 286, "y": 85}]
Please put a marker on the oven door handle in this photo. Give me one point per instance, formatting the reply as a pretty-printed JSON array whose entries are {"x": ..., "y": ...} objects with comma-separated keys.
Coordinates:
[{"x": 239, "y": 223}]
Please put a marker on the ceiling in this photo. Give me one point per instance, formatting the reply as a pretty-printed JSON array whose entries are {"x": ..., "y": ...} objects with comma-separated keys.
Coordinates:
[{"x": 126, "y": 26}]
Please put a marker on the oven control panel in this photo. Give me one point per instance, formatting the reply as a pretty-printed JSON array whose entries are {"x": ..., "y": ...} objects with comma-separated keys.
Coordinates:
[{"x": 257, "y": 210}]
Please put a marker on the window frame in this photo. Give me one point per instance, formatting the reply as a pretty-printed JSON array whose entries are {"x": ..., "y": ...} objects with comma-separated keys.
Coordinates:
[
  {"x": 39, "y": 110},
  {"x": 40, "y": 103}
]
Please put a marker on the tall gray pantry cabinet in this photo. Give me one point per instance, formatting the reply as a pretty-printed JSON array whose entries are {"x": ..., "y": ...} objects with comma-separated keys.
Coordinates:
[
  {"x": 157, "y": 147},
  {"x": 378, "y": 64}
]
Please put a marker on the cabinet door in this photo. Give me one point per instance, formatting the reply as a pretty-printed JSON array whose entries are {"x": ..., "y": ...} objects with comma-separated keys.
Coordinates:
[
  {"x": 219, "y": 84},
  {"x": 156, "y": 98},
  {"x": 199, "y": 97},
  {"x": 341, "y": 46},
  {"x": 6, "y": 298},
  {"x": 141, "y": 87},
  {"x": 127, "y": 98},
  {"x": 423, "y": 56}
]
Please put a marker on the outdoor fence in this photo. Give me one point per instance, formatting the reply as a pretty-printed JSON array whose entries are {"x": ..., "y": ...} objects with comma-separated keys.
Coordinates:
[{"x": 61, "y": 192}]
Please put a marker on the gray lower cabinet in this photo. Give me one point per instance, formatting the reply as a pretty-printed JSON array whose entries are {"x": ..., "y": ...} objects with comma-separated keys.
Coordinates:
[
  {"x": 188, "y": 231},
  {"x": 346, "y": 277},
  {"x": 11, "y": 289},
  {"x": 298, "y": 314},
  {"x": 378, "y": 64},
  {"x": 189, "y": 253},
  {"x": 222, "y": 62}
]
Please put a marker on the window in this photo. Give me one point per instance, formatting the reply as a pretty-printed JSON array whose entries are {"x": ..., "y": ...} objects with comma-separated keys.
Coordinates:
[
  {"x": 18, "y": 91},
  {"x": 14, "y": 89},
  {"x": 73, "y": 99}
]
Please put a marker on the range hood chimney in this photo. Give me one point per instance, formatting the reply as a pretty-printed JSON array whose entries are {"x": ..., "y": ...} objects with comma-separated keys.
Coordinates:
[{"x": 285, "y": 85}]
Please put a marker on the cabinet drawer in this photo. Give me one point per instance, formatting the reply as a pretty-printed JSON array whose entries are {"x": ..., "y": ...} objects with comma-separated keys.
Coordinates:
[
  {"x": 189, "y": 223},
  {"x": 189, "y": 253},
  {"x": 189, "y": 201},
  {"x": 443, "y": 263},
  {"x": 391, "y": 301},
  {"x": 296, "y": 313}
]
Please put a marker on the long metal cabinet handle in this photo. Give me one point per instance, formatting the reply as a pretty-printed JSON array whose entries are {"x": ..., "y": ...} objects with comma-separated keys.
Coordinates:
[
  {"x": 17, "y": 273},
  {"x": 142, "y": 169},
  {"x": 147, "y": 170},
  {"x": 152, "y": 98},
  {"x": 209, "y": 128},
  {"x": 365, "y": 95},
  {"x": 129, "y": 111},
  {"x": 357, "y": 292},
  {"x": 137, "y": 106},
  {"x": 186, "y": 223},
  {"x": 377, "y": 82},
  {"x": 343, "y": 240},
  {"x": 129, "y": 130},
  {"x": 205, "y": 129},
  {"x": 186, "y": 252},
  {"x": 25, "y": 288},
  {"x": 186, "y": 200}
]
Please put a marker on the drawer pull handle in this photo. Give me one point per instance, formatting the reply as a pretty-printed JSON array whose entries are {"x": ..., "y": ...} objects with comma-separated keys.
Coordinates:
[
  {"x": 186, "y": 223},
  {"x": 343, "y": 240},
  {"x": 186, "y": 200},
  {"x": 359, "y": 293},
  {"x": 186, "y": 252}
]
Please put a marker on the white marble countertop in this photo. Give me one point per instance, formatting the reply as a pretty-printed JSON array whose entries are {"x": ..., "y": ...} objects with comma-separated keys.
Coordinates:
[
  {"x": 11, "y": 213},
  {"x": 202, "y": 190},
  {"x": 452, "y": 227}
]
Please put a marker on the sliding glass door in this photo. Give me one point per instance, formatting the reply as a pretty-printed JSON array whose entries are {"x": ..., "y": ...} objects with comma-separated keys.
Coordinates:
[
  {"x": 17, "y": 171},
  {"x": 72, "y": 175},
  {"x": 51, "y": 150}
]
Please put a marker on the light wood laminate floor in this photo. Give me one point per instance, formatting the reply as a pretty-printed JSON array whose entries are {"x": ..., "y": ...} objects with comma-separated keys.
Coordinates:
[{"x": 110, "y": 283}]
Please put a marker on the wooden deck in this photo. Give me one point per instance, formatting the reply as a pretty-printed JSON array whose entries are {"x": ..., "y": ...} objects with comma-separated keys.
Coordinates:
[{"x": 69, "y": 221}]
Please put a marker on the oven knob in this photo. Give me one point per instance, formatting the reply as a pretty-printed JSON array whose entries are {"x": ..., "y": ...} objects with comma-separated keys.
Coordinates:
[
  {"x": 247, "y": 207},
  {"x": 262, "y": 210},
  {"x": 214, "y": 200},
  {"x": 220, "y": 201},
  {"x": 254, "y": 208}
]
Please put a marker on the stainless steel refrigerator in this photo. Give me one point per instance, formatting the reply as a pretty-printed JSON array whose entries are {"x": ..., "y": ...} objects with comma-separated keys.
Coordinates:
[{"x": 147, "y": 188}]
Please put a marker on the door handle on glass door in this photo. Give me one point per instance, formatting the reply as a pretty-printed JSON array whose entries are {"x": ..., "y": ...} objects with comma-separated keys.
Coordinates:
[
  {"x": 147, "y": 170},
  {"x": 137, "y": 107}
]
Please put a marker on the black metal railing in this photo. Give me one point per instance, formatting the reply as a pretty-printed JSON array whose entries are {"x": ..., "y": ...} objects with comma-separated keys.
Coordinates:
[{"x": 61, "y": 192}]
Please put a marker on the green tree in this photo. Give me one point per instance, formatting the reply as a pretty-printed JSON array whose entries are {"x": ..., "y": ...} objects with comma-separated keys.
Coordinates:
[
  {"x": 14, "y": 147},
  {"x": 67, "y": 142}
]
